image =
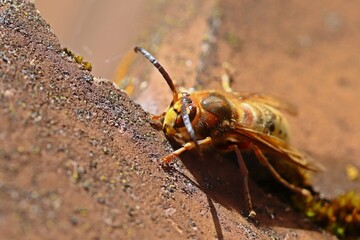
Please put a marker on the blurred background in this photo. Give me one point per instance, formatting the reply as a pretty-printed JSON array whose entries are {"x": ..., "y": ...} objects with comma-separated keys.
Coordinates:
[{"x": 100, "y": 32}]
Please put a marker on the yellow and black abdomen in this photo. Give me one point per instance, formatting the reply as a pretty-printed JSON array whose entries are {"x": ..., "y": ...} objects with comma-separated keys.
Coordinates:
[{"x": 263, "y": 118}]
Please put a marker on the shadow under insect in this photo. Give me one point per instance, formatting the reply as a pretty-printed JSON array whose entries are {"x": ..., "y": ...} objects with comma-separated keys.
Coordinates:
[{"x": 219, "y": 177}]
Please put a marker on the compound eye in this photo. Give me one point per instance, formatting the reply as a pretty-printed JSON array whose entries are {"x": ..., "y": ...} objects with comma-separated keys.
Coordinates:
[{"x": 179, "y": 120}]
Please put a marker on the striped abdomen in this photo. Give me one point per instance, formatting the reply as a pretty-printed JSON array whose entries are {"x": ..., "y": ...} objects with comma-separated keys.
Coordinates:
[{"x": 263, "y": 118}]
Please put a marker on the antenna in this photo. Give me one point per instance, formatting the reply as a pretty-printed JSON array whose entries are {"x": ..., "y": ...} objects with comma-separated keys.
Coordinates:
[
  {"x": 184, "y": 115},
  {"x": 161, "y": 70}
]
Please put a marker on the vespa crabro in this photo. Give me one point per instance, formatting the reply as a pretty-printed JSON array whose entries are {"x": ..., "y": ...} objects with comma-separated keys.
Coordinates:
[{"x": 232, "y": 122}]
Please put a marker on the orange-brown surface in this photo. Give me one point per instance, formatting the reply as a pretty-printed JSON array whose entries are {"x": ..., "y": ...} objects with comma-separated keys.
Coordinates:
[{"x": 79, "y": 159}]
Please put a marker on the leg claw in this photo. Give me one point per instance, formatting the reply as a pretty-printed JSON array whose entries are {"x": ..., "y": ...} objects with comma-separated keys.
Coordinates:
[
  {"x": 169, "y": 158},
  {"x": 252, "y": 214}
]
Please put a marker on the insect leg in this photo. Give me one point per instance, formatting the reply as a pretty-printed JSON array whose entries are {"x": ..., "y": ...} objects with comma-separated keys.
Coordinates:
[
  {"x": 186, "y": 147},
  {"x": 277, "y": 176},
  {"x": 244, "y": 173},
  {"x": 226, "y": 77}
]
